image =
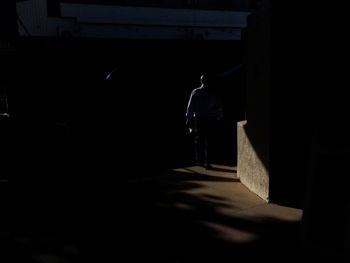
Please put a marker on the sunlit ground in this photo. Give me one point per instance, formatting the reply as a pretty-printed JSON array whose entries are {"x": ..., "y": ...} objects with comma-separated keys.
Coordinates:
[{"x": 188, "y": 214}]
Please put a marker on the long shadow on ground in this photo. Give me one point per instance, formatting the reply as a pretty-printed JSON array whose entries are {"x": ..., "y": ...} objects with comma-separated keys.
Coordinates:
[{"x": 155, "y": 220}]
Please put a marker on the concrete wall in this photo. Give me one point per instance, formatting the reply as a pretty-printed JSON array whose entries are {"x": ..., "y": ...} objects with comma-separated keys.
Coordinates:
[
  {"x": 100, "y": 21},
  {"x": 196, "y": 4},
  {"x": 254, "y": 136},
  {"x": 326, "y": 207},
  {"x": 251, "y": 170}
]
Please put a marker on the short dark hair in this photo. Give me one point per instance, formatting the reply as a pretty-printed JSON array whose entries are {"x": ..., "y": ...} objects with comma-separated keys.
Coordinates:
[{"x": 206, "y": 78}]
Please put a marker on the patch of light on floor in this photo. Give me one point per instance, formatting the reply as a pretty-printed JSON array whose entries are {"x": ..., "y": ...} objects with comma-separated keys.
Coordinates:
[{"x": 231, "y": 234}]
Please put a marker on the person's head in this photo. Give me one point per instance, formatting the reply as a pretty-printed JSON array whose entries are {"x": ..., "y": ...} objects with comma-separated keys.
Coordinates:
[{"x": 206, "y": 79}]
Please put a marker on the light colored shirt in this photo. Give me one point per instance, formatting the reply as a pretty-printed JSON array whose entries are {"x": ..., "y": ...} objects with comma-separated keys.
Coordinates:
[{"x": 203, "y": 103}]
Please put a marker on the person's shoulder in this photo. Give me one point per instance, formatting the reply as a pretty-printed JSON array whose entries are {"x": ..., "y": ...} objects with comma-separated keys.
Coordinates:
[{"x": 197, "y": 90}]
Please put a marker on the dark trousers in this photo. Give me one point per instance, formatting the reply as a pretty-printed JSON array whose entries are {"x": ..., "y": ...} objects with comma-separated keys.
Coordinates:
[{"x": 203, "y": 140}]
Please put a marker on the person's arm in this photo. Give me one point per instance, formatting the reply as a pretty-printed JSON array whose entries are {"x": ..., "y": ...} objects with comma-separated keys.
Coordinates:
[{"x": 190, "y": 112}]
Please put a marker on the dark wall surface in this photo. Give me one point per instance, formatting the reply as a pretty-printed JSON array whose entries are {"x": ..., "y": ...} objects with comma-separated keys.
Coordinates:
[{"x": 63, "y": 108}]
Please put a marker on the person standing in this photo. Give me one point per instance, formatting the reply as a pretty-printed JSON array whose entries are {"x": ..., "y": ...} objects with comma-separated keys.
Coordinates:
[{"x": 204, "y": 111}]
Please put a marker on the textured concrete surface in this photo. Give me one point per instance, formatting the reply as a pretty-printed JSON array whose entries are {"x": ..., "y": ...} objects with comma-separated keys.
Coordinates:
[{"x": 252, "y": 172}]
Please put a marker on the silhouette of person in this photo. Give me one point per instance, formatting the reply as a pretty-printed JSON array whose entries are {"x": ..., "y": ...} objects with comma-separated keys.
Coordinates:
[{"x": 204, "y": 111}]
